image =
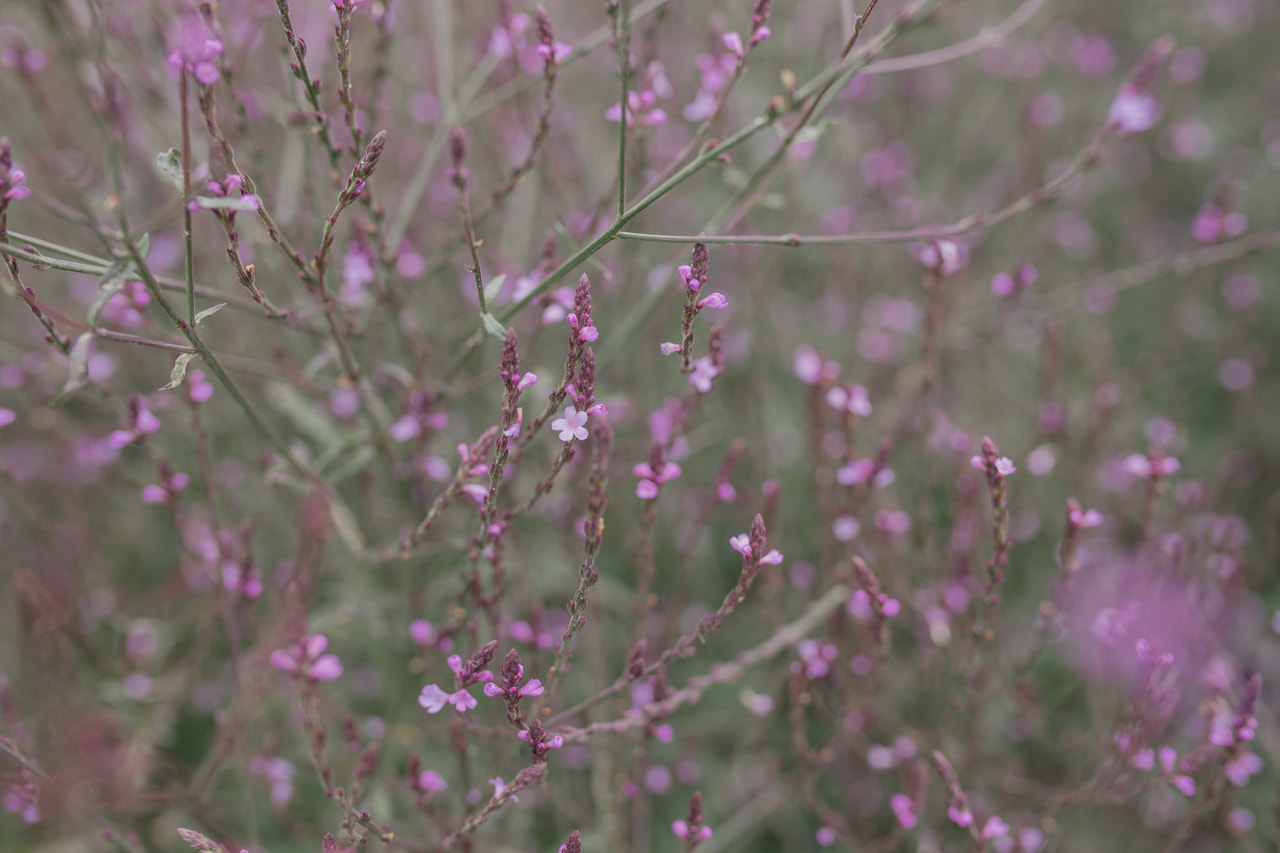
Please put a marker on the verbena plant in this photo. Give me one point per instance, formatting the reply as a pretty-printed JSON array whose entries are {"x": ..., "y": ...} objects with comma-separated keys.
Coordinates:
[{"x": 638, "y": 426}]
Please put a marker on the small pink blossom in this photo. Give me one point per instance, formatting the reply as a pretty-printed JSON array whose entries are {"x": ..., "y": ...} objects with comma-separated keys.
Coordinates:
[
  {"x": 994, "y": 828},
  {"x": 904, "y": 810},
  {"x": 500, "y": 787},
  {"x": 307, "y": 660},
  {"x": 1132, "y": 111},
  {"x": 733, "y": 44},
  {"x": 555, "y": 53},
  {"x": 704, "y": 370},
  {"x": 154, "y": 493},
  {"x": 715, "y": 300},
  {"x": 433, "y": 699},
  {"x": 682, "y": 830},
  {"x": 572, "y": 425},
  {"x": 1086, "y": 518},
  {"x": 199, "y": 389}
]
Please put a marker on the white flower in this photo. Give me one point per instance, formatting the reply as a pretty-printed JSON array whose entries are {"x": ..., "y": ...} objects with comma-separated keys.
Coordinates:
[{"x": 572, "y": 425}]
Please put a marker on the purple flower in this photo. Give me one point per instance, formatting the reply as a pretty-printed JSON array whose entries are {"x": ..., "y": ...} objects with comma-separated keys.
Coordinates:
[
  {"x": 715, "y": 300},
  {"x": 904, "y": 810},
  {"x": 1132, "y": 111},
  {"x": 554, "y": 53},
  {"x": 195, "y": 50},
  {"x": 433, "y": 699},
  {"x": 158, "y": 493},
  {"x": 704, "y": 370},
  {"x": 199, "y": 389},
  {"x": 533, "y": 687},
  {"x": 1086, "y": 518},
  {"x": 306, "y": 660},
  {"x": 572, "y": 425},
  {"x": 500, "y": 787},
  {"x": 994, "y": 828},
  {"x": 742, "y": 544},
  {"x": 683, "y": 830},
  {"x": 431, "y": 782}
]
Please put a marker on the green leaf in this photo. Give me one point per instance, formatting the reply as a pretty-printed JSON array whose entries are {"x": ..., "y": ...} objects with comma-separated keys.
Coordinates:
[
  {"x": 492, "y": 289},
  {"x": 209, "y": 312},
  {"x": 492, "y": 326},
  {"x": 179, "y": 371},
  {"x": 170, "y": 163},
  {"x": 78, "y": 369},
  {"x": 226, "y": 202}
]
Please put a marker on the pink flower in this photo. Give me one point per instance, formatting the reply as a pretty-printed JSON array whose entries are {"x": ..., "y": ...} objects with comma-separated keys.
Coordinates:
[
  {"x": 682, "y": 830},
  {"x": 647, "y": 488},
  {"x": 499, "y": 787},
  {"x": 429, "y": 781},
  {"x": 733, "y": 43},
  {"x": 1132, "y": 111},
  {"x": 306, "y": 660},
  {"x": 1087, "y": 518},
  {"x": 555, "y": 53},
  {"x": 195, "y": 50},
  {"x": 904, "y": 810},
  {"x": 704, "y": 370},
  {"x": 433, "y": 699},
  {"x": 994, "y": 828},
  {"x": 572, "y": 425},
  {"x": 742, "y": 544},
  {"x": 1004, "y": 465},
  {"x": 1239, "y": 770},
  {"x": 199, "y": 389},
  {"x": 161, "y": 493},
  {"x": 851, "y": 398},
  {"x": 532, "y": 687},
  {"x": 716, "y": 300}
]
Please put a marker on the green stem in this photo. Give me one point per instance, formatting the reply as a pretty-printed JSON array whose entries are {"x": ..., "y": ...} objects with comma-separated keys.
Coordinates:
[
  {"x": 622, "y": 35},
  {"x": 206, "y": 354},
  {"x": 190, "y": 269}
]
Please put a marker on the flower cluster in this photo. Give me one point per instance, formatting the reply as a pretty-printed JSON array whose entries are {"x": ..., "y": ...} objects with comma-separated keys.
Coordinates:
[{"x": 434, "y": 699}]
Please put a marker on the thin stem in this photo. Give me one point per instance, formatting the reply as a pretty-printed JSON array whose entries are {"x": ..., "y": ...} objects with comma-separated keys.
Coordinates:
[
  {"x": 189, "y": 258},
  {"x": 973, "y": 222},
  {"x": 206, "y": 354},
  {"x": 622, "y": 36},
  {"x": 724, "y": 673}
]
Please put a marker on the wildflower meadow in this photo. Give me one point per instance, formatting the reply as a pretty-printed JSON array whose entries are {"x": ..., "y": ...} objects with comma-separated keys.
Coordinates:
[{"x": 639, "y": 425}]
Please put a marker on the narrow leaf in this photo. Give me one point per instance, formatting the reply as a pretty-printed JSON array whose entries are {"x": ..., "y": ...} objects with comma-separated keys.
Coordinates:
[
  {"x": 209, "y": 312},
  {"x": 492, "y": 326},
  {"x": 78, "y": 369},
  {"x": 179, "y": 371},
  {"x": 206, "y": 202},
  {"x": 492, "y": 289}
]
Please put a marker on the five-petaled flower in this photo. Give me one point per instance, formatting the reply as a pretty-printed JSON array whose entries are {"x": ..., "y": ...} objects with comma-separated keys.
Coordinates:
[{"x": 572, "y": 425}]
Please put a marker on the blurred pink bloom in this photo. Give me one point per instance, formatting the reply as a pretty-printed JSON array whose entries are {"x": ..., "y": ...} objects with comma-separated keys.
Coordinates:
[
  {"x": 1132, "y": 111},
  {"x": 904, "y": 810},
  {"x": 306, "y": 660}
]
